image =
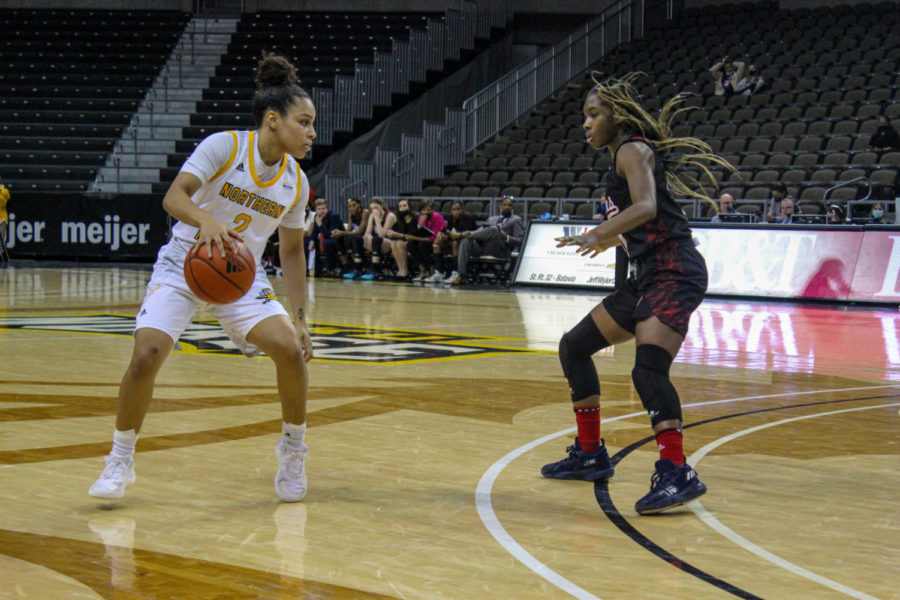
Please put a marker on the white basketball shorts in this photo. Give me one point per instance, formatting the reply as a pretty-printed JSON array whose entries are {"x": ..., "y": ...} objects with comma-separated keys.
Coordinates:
[{"x": 170, "y": 305}]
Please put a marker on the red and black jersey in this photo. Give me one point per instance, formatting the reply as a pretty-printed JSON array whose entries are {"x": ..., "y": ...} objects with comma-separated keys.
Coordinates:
[{"x": 670, "y": 222}]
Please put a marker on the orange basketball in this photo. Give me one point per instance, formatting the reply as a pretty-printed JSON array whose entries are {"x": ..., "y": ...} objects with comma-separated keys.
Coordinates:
[{"x": 220, "y": 280}]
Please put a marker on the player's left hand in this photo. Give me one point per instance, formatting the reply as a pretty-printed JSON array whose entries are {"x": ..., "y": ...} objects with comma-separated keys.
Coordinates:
[{"x": 587, "y": 244}]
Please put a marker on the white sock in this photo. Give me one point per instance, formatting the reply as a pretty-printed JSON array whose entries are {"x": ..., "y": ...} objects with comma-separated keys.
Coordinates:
[
  {"x": 293, "y": 433},
  {"x": 123, "y": 443}
]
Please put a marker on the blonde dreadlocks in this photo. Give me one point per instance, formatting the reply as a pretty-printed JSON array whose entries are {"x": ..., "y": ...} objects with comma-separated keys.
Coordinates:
[{"x": 678, "y": 153}]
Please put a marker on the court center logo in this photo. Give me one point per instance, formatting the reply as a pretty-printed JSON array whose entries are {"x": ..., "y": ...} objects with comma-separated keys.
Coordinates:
[{"x": 335, "y": 343}]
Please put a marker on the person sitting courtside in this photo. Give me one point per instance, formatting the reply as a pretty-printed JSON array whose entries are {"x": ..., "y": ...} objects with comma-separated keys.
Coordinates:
[
  {"x": 835, "y": 214},
  {"x": 322, "y": 240},
  {"x": 726, "y": 207},
  {"x": 787, "y": 210},
  {"x": 501, "y": 235},
  {"x": 447, "y": 242}
]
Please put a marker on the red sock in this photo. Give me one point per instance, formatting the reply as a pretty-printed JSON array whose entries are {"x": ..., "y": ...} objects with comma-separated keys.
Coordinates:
[
  {"x": 588, "y": 420},
  {"x": 671, "y": 445}
]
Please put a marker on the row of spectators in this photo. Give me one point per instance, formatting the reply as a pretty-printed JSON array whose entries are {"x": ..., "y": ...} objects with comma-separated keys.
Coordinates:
[
  {"x": 782, "y": 208},
  {"x": 377, "y": 243},
  {"x": 425, "y": 246}
]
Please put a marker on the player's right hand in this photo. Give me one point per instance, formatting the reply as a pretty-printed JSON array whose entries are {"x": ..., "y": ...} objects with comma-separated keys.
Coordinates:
[{"x": 213, "y": 232}]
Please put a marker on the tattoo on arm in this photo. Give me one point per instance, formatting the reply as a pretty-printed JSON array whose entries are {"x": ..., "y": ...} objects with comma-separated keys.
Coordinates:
[{"x": 300, "y": 314}]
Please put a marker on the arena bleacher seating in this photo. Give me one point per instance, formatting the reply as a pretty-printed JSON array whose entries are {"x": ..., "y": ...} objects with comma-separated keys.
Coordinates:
[
  {"x": 72, "y": 79},
  {"x": 830, "y": 72},
  {"x": 320, "y": 44}
]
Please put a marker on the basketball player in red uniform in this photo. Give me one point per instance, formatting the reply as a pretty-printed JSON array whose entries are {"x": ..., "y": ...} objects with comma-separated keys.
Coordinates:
[
  {"x": 667, "y": 282},
  {"x": 236, "y": 184}
]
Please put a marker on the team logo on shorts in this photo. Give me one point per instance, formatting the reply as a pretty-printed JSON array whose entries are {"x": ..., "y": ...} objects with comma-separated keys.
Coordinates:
[
  {"x": 266, "y": 294},
  {"x": 331, "y": 342}
]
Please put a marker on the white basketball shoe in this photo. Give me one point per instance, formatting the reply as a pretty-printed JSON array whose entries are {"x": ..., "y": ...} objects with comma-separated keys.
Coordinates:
[
  {"x": 290, "y": 481},
  {"x": 118, "y": 474}
]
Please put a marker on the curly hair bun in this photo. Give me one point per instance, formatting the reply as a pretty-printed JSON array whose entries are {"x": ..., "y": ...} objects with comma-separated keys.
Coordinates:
[{"x": 274, "y": 70}]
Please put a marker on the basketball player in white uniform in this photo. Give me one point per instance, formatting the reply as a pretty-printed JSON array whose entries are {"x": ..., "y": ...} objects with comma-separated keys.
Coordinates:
[{"x": 244, "y": 185}]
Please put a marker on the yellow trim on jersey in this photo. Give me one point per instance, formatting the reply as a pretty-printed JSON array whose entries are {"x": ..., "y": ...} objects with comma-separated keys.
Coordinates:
[
  {"x": 256, "y": 179},
  {"x": 230, "y": 158}
]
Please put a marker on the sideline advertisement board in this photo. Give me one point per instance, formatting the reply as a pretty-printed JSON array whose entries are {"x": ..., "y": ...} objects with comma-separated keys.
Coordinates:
[
  {"x": 81, "y": 226},
  {"x": 542, "y": 263},
  {"x": 843, "y": 262},
  {"x": 878, "y": 269},
  {"x": 787, "y": 263},
  {"x": 846, "y": 263}
]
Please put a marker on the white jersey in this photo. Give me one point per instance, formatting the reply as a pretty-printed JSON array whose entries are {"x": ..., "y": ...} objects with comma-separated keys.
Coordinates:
[{"x": 240, "y": 191}]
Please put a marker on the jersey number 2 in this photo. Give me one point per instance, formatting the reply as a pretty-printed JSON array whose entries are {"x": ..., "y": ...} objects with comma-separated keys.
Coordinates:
[{"x": 242, "y": 221}]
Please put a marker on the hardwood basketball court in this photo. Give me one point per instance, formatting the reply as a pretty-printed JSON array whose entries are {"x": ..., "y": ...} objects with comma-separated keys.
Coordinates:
[{"x": 431, "y": 411}]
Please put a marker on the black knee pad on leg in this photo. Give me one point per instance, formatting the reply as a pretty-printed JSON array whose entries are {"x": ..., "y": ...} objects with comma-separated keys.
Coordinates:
[
  {"x": 651, "y": 380},
  {"x": 575, "y": 350}
]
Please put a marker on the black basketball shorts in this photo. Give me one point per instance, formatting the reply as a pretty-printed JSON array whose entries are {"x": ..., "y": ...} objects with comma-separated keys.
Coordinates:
[{"x": 668, "y": 284}]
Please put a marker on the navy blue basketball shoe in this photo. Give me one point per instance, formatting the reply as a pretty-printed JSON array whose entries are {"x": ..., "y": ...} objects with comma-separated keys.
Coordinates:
[
  {"x": 670, "y": 486},
  {"x": 581, "y": 465}
]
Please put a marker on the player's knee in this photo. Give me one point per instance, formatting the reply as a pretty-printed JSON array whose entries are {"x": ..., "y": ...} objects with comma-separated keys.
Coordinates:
[
  {"x": 279, "y": 341},
  {"x": 146, "y": 360},
  {"x": 286, "y": 351},
  {"x": 583, "y": 340},
  {"x": 651, "y": 381},
  {"x": 576, "y": 348}
]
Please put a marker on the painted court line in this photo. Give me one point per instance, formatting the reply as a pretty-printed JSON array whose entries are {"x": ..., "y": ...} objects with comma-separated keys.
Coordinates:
[
  {"x": 746, "y": 544},
  {"x": 488, "y": 517}
]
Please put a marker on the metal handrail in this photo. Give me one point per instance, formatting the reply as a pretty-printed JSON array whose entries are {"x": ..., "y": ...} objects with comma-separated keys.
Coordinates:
[
  {"x": 362, "y": 184},
  {"x": 492, "y": 203},
  {"x": 395, "y": 164},
  {"x": 850, "y": 182},
  {"x": 134, "y": 134},
  {"x": 510, "y": 96}
]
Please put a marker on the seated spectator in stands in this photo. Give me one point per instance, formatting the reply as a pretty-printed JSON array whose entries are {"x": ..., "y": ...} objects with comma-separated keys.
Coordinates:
[
  {"x": 727, "y": 73},
  {"x": 726, "y": 207},
  {"x": 375, "y": 242},
  {"x": 501, "y": 235},
  {"x": 447, "y": 242},
  {"x": 879, "y": 215},
  {"x": 773, "y": 211},
  {"x": 752, "y": 83},
  {"x": 834, "y": 215},
  {"x": 350, "y": 240},
  {"x": 885, "y": 136},
  {"x": 406, "y": 224},
  {"x": 422, "y": 247},
  {"x": 787, "y": 209},
  {"x": 322, "y": 239}
]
